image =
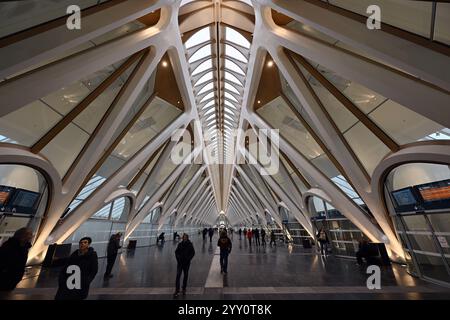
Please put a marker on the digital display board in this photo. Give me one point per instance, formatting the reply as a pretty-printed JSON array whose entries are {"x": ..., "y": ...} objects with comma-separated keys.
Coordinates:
[{"x": 404, "y": 197}]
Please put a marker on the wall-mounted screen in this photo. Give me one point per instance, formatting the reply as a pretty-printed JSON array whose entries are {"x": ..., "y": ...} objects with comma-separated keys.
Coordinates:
[
  {"x": 20, "y": 201},
  {"x": 405, "y": 199},
  {"x": 435, "y": 195}
]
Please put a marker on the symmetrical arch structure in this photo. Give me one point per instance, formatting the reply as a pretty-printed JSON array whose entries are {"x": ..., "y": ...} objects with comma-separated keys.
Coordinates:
[{"x": 94, "y": 110}]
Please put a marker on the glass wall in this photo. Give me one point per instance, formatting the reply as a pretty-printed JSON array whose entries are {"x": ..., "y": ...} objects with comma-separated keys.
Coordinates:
[
  {"x": 110, "y": 219},
  {"x": 23, "y": 199},
  {"x": 293, "y": 230},
  {"x": 418, "y": 198},
  {"x": 342, "y": 233}
]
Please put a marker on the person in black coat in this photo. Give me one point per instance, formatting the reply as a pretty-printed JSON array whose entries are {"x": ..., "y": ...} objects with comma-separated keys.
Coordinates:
[
  {"x": 113, "y": 248},
  {"x": 13, "y": 258},
  {"x": 85, "y": 258},
  {"x": 322, "y": 237},
  {"x": 225, "y": 249},
  {"x": 184, "y": 254}
]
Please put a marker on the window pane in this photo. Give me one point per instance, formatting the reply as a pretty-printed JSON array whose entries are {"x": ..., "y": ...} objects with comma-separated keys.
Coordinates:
[
  {"x": 235, "y": 37},
  {"x": 199, "y": 37},
  {"x": 201, "y": 53},
  {"x": 203, "y": 67},
  {"x": 234, "y": 53},
  {"x": 233, "y": 67}
]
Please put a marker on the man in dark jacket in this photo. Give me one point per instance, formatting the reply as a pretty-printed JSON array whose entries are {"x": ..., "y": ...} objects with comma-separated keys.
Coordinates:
[
  {"x": 77, "y": 275},
  {"x": 113, "y": 248},
  {"x": 184, "y": 254},
  {"x": 225, "y": 248},
  {"x": 13, "y": 258}
]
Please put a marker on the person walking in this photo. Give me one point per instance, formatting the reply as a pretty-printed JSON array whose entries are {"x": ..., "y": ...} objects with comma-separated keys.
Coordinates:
[
  {"x": 86, "y": 260},
  {"x": 111, "y": 254},
  {"x": 13, "y": 258},
  {"x": 272, "y": 238},
  {"x": 245, "y": 233},
  {"x": 322, "y": 237},
  {"x": 249, "y": 237},
  {"x": 240, "y": 233},
  {"x": 210, "y": 233},
  {"x": 204, "y": 233},
  {"x": 256, "y": 234},
  {"x": 225, "y": 249},
  {"x": 184, "y": 254},
  {"x": 263, "y": 236}
]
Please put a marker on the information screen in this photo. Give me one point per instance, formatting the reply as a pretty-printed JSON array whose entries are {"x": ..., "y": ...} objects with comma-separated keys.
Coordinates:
[
  {"x": 24, "y": 198},
  {"x": 436, "y": 191},
  {"x": 404, "y": 197}
]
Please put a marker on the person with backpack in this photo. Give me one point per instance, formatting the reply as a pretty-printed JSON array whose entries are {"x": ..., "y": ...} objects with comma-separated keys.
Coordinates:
[
  {"x": 322, "y": 238},
  {"x": 225, "y": 249}
]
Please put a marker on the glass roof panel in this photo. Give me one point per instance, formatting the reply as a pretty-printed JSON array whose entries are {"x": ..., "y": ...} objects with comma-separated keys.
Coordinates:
[
  {"x": 234, "y": 53},
  {"x": 232, "y": 78},
  {"x": 202, "y": 67},
  {"x": 204, "y": 78},
  {"x": 231, "y": 88},
  {"x": 231, "y": 97},
  {"x": 233, "y": 67},
  {"x": 200, "y": 53},
  {"x": 208, "y": 96},
  {"x": 206, "y": 88},
  {"x": 199, "y": 37},
  {"x": 235, "y": 37}
]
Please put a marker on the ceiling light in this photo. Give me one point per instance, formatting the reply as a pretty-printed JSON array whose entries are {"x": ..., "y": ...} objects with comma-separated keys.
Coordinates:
[
  {"x": 165, "y": 64},
  {"x": 270, "y": 63}
]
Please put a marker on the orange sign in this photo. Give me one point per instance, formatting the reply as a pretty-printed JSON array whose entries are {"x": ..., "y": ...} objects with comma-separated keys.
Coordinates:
[
  {"x": 3, "y": 197},
  {"x": 435, "y": 194}
]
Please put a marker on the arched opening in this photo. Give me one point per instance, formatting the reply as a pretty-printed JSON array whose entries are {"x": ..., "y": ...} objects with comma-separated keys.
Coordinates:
[
  {"x": 23, "y": 199},
  {"x": 417, "y": 196}
]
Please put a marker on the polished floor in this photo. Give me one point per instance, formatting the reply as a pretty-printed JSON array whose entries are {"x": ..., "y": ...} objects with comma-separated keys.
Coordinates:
[{"x": 277, "y": 272}]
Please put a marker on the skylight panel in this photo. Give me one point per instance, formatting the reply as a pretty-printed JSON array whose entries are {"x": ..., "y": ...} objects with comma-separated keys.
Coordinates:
[
  {"x": 233, "y": 67},
  {"x": 201, "y": 53},
  {"x": 231, "y": 88},
  {"x": 229, "y": 105},
  {"x": 231, "y": 97},
  {"x": 202, "y": 67},
  {"x": 208, "y": 105},
  {"x": 199, "y": 37},
  {"x": 232, "y": 78},
  {"x": 204, "y": 78},
  {"x": 208, "y": 96},
  {"x": 234, "y": 53},
  {"x": 206, "y": 88},
  {"x": 235, "y": 37}
]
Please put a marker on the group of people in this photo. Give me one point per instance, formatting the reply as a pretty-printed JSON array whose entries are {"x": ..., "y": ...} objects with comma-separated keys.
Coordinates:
[
  {"x": 208, "y": 232},
  {"x": 258, "y": 235},
  {"x": 84, "y": 260},
  {"x": 74, "y": 278}
]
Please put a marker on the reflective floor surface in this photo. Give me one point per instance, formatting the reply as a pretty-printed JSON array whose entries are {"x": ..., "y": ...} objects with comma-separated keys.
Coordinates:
[{"x": 264, "y": 272}]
